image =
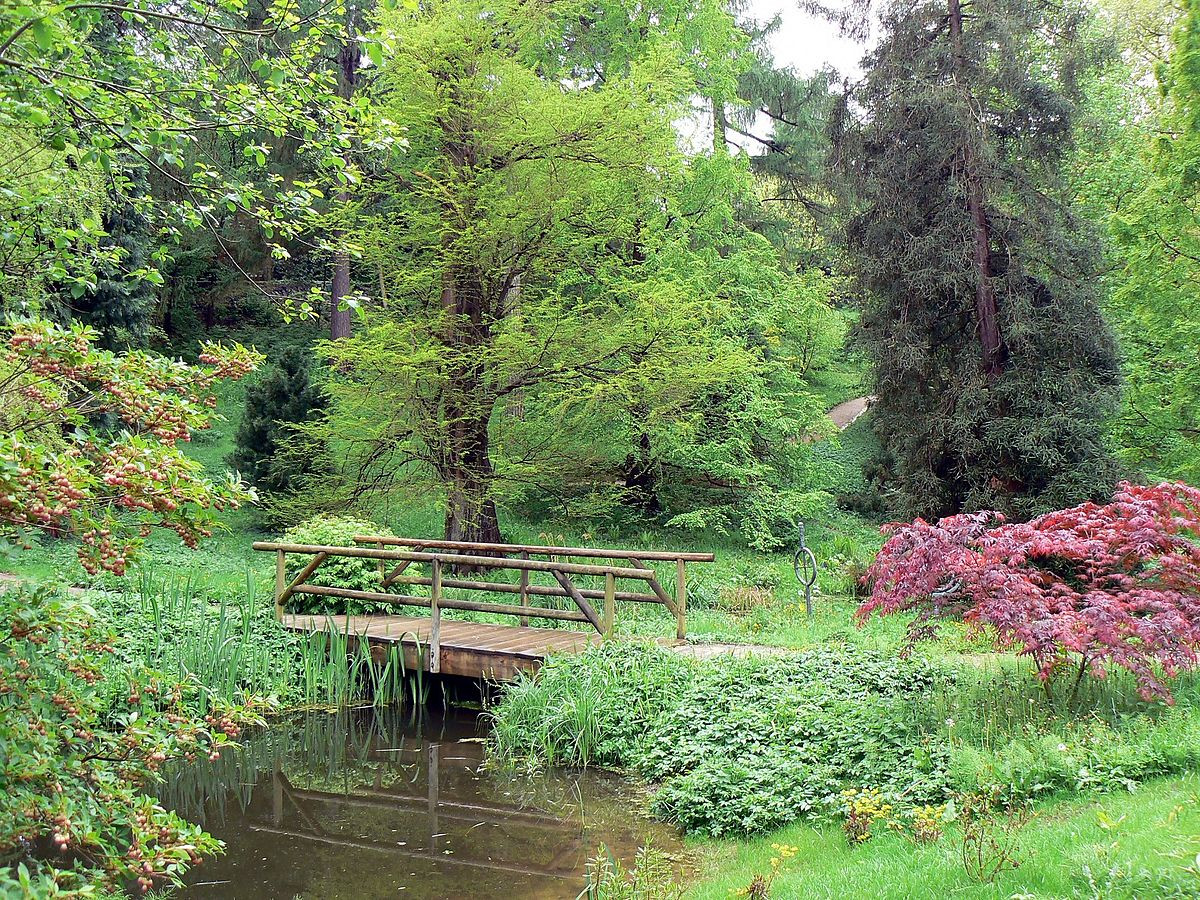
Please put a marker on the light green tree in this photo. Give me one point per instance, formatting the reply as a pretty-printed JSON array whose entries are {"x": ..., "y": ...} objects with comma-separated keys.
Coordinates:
[
  {"x": 1140, "y": 176},
  {"x": 570, "y": 309}
]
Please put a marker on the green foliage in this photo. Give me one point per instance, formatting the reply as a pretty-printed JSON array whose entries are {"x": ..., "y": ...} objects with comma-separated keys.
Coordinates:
[
  {"x": 580, "y": 319},
  {"x": 338, "y": 571},
  {"x": 1138, "y": 176},
  {"x": 229, "y": 641},
  {"x": 1083, "y": 756},
  {"x": 961, "y": 219},
  {"x": 81, "y": 738},
  {"x": 285, "y": 395},
  {"x": 120, "y": 305},
  {"x": 93, "y": 94},
  {"x": 651, "y": 877},
  {"x": 737, "y": 747}
]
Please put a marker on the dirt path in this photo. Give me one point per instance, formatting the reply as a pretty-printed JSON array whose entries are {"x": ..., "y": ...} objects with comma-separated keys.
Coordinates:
[{"x": 844, "y": 414}]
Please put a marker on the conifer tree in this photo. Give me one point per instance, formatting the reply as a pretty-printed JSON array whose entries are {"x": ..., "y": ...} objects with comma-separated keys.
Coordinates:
[
  {"x": 121, "y": 304},
  {"x": 993, "y": 367},
  {"x": 283, "y": 397}
]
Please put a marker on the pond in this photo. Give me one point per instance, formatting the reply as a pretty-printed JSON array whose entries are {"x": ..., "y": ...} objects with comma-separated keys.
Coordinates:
[{"x": 372, "y": 803}]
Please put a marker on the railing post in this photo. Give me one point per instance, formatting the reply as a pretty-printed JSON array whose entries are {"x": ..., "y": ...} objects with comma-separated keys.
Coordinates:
[
  {"x": 382, "y": 567},
  {"x": 435, "y": 612},
  {"x": 610, "y": 603},
  {"x": 680, "y": 599},
  {"x": 524, "y": 592},
  {"x": 280, "y": 582}
]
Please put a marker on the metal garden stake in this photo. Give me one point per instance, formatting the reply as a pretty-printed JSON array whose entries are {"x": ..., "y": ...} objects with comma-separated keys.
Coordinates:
[{"x": 804, "y": 564}]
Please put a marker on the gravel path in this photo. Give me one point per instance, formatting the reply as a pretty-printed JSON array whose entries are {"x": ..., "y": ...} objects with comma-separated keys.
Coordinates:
[{"x": 844, "y": 414}]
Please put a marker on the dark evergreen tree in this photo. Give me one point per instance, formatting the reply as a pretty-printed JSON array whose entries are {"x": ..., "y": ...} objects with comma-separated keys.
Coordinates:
[
  {"x": 267, "y": 452},
  {"x": 121, "y": 305},
  {"x": 992, "y": 365}
]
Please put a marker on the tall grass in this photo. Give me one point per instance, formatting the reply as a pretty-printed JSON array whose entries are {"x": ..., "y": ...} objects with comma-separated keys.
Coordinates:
[{"x": 231, "y": 647}]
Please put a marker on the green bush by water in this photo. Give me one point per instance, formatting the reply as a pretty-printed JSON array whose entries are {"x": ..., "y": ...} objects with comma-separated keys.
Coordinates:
[
  {"x": 348, "y": 572},
  {"x": 735, "y": 747}
]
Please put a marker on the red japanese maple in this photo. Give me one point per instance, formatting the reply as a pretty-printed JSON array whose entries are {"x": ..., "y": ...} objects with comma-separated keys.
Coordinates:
[{"x": 1095, "y": 585}]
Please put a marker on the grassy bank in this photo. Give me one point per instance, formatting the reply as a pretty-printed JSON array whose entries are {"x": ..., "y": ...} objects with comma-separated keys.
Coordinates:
[
  {"x": 1128, "y": 845},
  {"x": 744, "y": 746}
]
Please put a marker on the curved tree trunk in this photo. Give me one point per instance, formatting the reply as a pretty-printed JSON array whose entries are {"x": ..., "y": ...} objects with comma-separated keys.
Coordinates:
[{"x": 988, "y": 322}]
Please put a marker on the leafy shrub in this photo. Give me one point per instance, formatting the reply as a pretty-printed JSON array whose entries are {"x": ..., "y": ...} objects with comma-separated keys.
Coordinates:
[
  {"x": 736, "y": 747},
  {"x": 110, "y": 487},
  {"x": 80, "y": 738},
  {"x": 588, "y": 709},
  {"x": 754, "y": 744},
  {"x": 356, "y": 574},
  {"x": 1091, "y": 586},
  {"x": 863, "y": 809}
]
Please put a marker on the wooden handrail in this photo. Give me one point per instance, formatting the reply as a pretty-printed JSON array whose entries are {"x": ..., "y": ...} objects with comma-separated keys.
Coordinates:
[
  {"x": 457, "y": 559},
  {"x": 560, "y": 570},
  {"x": 537, "y": 550}
]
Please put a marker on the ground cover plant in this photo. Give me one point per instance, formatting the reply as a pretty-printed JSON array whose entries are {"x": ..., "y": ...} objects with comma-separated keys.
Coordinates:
[
  {"x": 739, "y": 747},
  {"x": 743, "y": 746}
]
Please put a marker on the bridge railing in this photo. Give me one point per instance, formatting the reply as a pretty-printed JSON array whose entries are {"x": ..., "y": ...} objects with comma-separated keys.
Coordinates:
[{"x": 447, "y": 560}]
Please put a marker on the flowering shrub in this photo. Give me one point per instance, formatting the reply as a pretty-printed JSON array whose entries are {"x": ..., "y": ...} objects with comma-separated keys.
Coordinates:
[
  {"x": 78, "y": 745},
  {"x": 925, "y": 823},
  {"x": 1095, "y": 585},
  {"x": 863, "y": 809},
  {"x": 760, "y": 885},
  {"x": 88, "y": 440}
]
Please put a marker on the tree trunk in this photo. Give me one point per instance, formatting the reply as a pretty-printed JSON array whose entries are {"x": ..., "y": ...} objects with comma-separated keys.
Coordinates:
[
  {"x": 469, "y": 399},
  {"x": 641, "y": 478},
  {"x": 470, "y": 510},
  {"x": 719, "y": 133},
  {"x": 339, "y": 318},
  {"x": 988, "y": 321}
]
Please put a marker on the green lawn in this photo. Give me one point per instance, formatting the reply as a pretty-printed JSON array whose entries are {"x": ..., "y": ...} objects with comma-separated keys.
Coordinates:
[{"x": 1140, "y": 845}]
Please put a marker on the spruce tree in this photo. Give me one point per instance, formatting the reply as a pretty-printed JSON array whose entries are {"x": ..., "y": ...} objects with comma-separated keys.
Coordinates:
[
  {"x": 120, "y": 306},
  {"x": 285, "y": 396},
  {"x": 992, "y": 366}
]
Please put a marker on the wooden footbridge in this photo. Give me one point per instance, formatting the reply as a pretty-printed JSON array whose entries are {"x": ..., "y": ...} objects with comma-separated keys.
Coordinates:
[{"x": 451, "y": 645}]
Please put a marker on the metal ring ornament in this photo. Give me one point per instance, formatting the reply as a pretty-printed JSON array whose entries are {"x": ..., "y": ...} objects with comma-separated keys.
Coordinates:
[{"x": 804, "y": 564}]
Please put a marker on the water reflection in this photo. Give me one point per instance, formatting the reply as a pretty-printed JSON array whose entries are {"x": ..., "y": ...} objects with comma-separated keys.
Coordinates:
[{"x": 369, "y": 804}]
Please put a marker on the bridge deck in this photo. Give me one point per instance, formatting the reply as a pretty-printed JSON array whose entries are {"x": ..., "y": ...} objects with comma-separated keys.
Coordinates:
[{"x": 473, "y": 649}]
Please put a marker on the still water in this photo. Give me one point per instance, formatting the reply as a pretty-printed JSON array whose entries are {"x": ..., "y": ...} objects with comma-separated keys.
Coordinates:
[{"x": 371, "y": 804}]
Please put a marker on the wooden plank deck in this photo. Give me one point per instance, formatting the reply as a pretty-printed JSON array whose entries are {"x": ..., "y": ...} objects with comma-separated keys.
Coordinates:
[{"x": 473, "y": 649}]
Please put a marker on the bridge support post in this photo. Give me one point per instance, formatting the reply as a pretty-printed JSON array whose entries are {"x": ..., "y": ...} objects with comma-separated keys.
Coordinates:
[
  {"x": 610, "y": 604},
  {"x": 524, "y": 592},
  {"x": 680, "y": 599},
  {"x": 280, "y": 582},
  {"x": 435, "y": 613}
]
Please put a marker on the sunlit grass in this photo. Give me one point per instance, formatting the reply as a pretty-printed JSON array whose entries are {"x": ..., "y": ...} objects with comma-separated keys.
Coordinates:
[{"x": 1117, "y": 846}]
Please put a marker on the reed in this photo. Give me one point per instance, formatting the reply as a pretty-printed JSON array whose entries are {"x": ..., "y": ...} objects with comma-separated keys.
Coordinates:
[{"x": 231, "y": 647}]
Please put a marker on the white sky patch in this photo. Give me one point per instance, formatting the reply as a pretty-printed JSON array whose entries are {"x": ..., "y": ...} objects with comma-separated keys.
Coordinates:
[{"x": 802, "y": 42}]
